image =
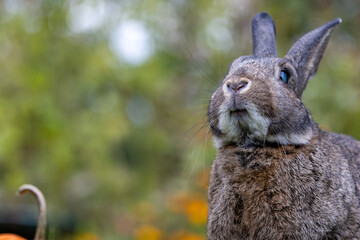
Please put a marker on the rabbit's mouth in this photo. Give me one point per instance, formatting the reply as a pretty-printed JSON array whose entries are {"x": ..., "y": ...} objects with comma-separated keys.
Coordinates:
[
  {"x": 240, "y": 124},
  {"x": 238, "y": 112}
]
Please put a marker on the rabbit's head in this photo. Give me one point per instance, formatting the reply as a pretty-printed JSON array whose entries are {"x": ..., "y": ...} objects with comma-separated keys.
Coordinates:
[{"x": 260, "y": 98}]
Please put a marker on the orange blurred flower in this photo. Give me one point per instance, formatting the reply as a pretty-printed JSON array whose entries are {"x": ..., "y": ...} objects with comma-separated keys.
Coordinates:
[
  {"x": 183, "y": 235},
  {"x": 191, "y": 205},
  {"x": 178, "y": 201},
  {"x": 196, "y": 211},
  {"x": 147, "y": 232}
]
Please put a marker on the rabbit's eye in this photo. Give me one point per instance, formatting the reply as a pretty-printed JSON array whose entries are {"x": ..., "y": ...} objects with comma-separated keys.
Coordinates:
[{"x": 284, "y": 76}]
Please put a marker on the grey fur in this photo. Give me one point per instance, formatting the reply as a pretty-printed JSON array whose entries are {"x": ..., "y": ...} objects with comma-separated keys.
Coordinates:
[
  {"x": 276, "y": 174},
  {"x": 263, "y": 35},
  {"x": 308, "y": 51}
]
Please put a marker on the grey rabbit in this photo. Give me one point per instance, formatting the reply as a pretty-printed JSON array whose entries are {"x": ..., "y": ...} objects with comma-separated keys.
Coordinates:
[{"x": 277, "y": 175}]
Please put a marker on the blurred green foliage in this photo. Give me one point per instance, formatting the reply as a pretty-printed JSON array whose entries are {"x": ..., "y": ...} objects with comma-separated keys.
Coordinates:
[{"x": 119, "y": 144}]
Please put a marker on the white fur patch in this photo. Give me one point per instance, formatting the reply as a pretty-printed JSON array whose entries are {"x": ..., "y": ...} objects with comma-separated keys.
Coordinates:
[
  {"x": 258, "y": 124},
  {"x": 254, "y": 124},
  {"x": 229, "y": 126},
  {"x": 291, "y": 138},
  {"x": 218, "y": 142}
]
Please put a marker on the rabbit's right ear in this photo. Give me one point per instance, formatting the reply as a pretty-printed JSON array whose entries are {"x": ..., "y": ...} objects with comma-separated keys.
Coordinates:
[{"x": 306, "y": 53}]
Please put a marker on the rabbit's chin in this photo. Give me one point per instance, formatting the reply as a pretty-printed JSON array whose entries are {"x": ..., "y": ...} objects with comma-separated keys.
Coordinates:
[{"x": 249, "y": 126}]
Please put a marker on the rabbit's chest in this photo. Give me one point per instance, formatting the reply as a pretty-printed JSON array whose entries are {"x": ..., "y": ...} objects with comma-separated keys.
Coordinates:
[
  {"x": 262, "y": 179},
  {"x": 260, "y": 187}
]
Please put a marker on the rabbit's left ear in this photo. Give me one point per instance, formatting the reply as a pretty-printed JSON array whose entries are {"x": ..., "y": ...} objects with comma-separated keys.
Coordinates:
[
  {"x": 263, "y": 35},
  {"x": 306, "y": 53}
]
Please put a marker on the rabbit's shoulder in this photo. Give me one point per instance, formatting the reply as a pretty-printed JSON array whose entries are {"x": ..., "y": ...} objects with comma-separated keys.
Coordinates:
[
  {"x": 347, "y": 149},
  {"x": 349, "y": 145}
]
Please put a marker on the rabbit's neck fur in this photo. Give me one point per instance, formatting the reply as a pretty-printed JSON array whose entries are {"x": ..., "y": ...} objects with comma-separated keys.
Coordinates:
[
  {"x": 285, "y": 192},
  {"x": 258, "y": 130}
]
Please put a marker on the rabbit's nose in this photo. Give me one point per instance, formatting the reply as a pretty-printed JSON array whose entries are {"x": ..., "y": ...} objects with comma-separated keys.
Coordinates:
[{"x": 236, "y": 86}]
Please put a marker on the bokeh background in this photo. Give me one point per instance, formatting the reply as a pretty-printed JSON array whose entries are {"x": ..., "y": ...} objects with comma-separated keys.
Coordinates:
[{"x": 103, "y": 105}]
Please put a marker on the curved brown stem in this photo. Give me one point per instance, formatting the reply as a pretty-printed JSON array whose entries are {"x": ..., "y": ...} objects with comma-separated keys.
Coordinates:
[{"x": 40, "y": 230}]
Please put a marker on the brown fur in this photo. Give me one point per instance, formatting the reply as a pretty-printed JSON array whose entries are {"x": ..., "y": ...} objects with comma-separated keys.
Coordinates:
[{"x": 289, "y": 192}]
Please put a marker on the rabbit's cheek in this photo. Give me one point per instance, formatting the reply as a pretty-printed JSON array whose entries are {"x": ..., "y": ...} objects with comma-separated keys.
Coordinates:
[
  {"x": 257, "y": 123},
  {"x": 229, "y": 125}
]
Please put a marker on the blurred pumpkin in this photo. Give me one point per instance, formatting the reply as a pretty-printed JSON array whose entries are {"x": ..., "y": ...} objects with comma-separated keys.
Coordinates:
[
  {"x": 40, "y": 230},
  {"x": 10, "y": 236}
]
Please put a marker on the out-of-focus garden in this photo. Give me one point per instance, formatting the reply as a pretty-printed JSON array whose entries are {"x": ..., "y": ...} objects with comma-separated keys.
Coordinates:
[{"x": 103, "y": 105}]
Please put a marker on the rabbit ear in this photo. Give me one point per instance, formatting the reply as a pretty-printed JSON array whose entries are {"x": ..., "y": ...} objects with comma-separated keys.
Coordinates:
[
  {"x": 307, "y": 52},
  {"x": 263, "y": 35}
]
